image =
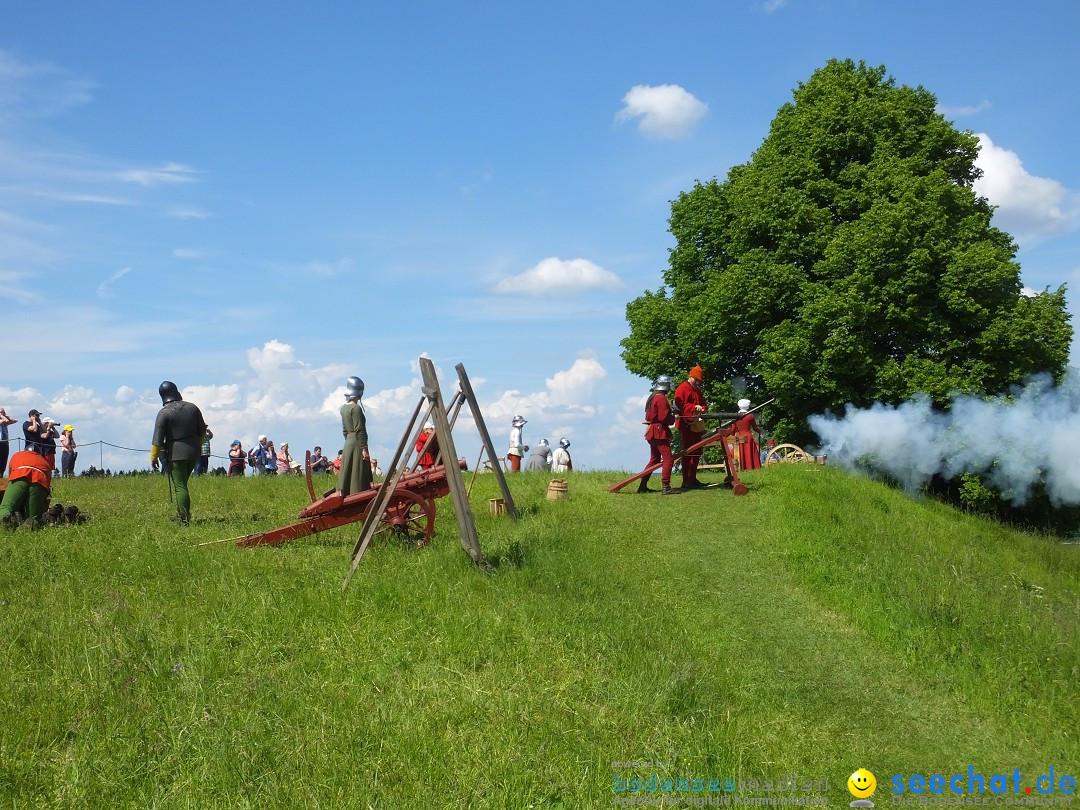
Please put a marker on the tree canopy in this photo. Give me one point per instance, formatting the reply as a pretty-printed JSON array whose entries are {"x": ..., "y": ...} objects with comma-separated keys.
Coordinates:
[{"x": 850, "y": 261}]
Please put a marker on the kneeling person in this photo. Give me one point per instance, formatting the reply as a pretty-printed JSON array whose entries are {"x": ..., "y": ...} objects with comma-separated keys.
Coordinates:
[{"x": 27, "y": 494}]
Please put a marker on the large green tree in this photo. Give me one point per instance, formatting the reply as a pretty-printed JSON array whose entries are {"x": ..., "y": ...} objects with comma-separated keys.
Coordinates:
[{"x": 850, "y": 261}]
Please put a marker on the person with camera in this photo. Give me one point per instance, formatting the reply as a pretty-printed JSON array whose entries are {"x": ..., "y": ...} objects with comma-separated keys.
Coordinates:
[
  {"x": 31, "y": 429},
  {"x": 237, "y": 459},
  {"x": 69, "y": 452},
  {"x": 263, "y": 459},
  {"x": 5, "y": 420},
  {"x": 40, "y": 434}
]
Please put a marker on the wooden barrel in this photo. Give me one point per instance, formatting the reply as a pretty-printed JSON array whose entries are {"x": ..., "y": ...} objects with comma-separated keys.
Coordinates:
[{"x": 557, "y": 489}]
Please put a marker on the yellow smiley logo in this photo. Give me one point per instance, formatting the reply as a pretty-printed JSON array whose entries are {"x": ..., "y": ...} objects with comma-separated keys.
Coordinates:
[{"x": 862, "y": 784}]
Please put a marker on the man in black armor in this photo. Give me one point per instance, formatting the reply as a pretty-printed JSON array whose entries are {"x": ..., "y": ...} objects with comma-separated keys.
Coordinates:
[{"x": 178, "y": 436}]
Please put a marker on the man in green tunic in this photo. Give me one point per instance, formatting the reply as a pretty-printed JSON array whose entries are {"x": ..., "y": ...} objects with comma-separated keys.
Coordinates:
[{"x": 355, "y": 475}]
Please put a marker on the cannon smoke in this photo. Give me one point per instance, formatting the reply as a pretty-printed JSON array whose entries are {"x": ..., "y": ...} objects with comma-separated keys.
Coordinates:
[{"x": 1014, "y": 441}]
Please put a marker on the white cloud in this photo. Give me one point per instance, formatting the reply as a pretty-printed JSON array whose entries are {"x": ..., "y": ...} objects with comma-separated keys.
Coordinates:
[
  {"x": 97, "y": 329},
  {"x": 39, "y": 89},
  {"x": 18, "y": 288},
  {"x": 667, "y": 111},
  {"x": 169, "y": 173},
  {"x": 329, "y": 269},
  {"x": 103, "y": 288},
  {"x": 397, "y": 403},
  {"x": 188, "y": 213},
  {"x": 77, "y": 403},
  {"x": 75, "y": 196},
  {"x": 962, "y": 111},
  {"x": 272, "y": 356},
  {"x": 189, "y": 253},
  {"x": 1029, "y": 207},
  {"x": 554, "y": 276},
  {"x": 212, "y": 397},
  {"x": 569, "y": 394}
]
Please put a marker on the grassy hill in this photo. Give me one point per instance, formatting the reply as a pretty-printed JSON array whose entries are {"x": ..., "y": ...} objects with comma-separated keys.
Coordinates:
[{"x": 819, "y": 624}]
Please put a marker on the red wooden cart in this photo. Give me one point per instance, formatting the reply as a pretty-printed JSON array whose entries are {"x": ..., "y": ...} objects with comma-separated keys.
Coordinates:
[
  {"x": 718, "y": 436},
  {"x": 410, "y": 512}
]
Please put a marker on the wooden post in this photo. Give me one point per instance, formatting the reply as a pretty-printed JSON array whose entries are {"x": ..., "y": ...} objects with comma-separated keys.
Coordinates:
[
  {"x": 462, "y": 509},
  {"x": 485, "y": 437}
]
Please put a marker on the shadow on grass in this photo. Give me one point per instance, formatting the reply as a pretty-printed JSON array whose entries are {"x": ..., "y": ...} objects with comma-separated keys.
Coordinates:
[{"x": 514, "y": 556}]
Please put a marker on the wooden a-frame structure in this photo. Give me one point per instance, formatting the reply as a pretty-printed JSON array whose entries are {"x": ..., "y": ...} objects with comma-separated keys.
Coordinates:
[{"x": 437, "y": 411}]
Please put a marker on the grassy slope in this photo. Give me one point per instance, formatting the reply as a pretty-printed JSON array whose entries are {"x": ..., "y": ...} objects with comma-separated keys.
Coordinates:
[{"x": 819, "y": 624}]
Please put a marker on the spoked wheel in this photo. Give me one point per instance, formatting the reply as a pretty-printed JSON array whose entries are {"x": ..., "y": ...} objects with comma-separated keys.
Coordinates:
[
  {"x": 783, "y": 453},
  {"x": 408, "y": 517}
]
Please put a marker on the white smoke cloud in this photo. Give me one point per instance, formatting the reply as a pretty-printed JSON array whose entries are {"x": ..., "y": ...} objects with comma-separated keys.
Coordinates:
[{"x": 1017, "y": 441}]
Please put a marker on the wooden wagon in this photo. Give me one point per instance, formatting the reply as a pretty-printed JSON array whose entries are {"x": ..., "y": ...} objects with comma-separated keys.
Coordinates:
[{"x": 410, "y": 511}]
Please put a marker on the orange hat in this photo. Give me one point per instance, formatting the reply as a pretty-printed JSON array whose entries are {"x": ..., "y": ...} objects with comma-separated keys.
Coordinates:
[{"x": 695, "y": 372}]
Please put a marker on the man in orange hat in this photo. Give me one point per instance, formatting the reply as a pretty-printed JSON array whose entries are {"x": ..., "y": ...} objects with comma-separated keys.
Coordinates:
[{"x": 689, "y": 402}]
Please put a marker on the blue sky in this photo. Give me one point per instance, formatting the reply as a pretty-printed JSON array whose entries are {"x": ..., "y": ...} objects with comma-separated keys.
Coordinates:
[{"x": 257, "y": 200}]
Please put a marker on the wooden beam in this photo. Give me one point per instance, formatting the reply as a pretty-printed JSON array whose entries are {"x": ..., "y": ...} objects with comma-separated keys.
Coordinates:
[
  {"x": 462, "y": 509},
  {"x": 485, "y": 437}
]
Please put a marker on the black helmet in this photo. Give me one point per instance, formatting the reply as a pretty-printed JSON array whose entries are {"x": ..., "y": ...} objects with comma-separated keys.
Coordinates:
[{"x": 169, "y": 392}]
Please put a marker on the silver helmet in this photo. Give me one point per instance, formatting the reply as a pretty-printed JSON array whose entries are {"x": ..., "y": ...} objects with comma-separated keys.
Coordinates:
[
  {"x": 663, "y": 383},
  {"x": 518, "y": 421},
  {"x": 354, "y": 387},
  {"x": 564, "y": 442},
  {"x": 544, "y": 442}
]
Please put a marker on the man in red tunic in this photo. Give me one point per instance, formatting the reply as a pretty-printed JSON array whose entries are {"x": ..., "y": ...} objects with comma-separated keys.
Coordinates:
[
  {"x": 689, "y": 402},
  {"x": 659, "y": 417}
]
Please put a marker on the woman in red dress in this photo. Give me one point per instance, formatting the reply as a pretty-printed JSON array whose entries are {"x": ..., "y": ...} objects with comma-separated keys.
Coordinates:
[
  {"x": 429, "y": 453},
  {"x": 746, "y": 431}
]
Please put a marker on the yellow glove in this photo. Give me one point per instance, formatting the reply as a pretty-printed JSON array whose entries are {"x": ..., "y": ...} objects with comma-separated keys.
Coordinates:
[{"x": 153, "y": 453}]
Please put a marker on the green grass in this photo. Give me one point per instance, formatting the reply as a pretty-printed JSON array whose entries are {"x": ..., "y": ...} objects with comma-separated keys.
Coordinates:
[{"x": 819, "y": 624}]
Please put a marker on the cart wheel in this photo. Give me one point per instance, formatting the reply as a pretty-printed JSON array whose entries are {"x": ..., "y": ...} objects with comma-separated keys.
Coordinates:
[
  {"x": 786, "y": 452},
  {"x": 409, "y": 517}
]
